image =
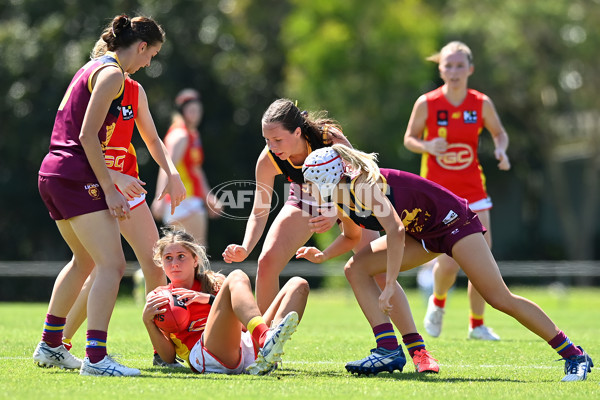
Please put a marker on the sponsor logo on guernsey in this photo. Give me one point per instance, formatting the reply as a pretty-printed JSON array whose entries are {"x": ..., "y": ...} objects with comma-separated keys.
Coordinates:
[
  {"x": 442, "y": 118},
  {"x": 93, "y": 190},
  {"x": 451, "y": 216},
  {"x": 454, "y": 232},
  {"x": 457, "y": 156},
  {"x": 127, "y": 112},
  {"x": 470, "y": 117}
]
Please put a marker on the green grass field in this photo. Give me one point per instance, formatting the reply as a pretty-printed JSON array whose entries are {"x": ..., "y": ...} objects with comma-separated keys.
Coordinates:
[{"x": 332, "y": 332}]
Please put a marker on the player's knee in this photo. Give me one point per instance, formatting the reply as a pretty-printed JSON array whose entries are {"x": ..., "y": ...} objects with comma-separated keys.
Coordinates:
[
  {"x": 299, "y": 285},
  {"x": 350, "y": 268},
  {"x": 237, "y": 277},
  {"x": 501, "y": 303}
]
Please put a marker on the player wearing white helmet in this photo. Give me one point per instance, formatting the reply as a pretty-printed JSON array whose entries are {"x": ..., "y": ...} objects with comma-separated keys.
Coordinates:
[{"x": 422, "y": 220}]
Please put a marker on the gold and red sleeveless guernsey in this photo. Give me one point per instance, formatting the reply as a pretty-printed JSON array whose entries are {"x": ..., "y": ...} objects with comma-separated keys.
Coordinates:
[
  {"x": 187, "y": 338},
  {"x": 193, "y": 157},
  {"x": 120, "y": 153},
  {"x": 458, "y": 169},
  {"x": 66, "y": 157}
]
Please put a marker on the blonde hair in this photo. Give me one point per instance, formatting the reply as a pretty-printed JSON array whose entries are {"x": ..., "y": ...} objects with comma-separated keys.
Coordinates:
[
  {"x": 100, "y": 48},
  {"x": 210, "y": 280},
  {"x": 452, "y": 47},
  {"x": 359, "y": 162}
]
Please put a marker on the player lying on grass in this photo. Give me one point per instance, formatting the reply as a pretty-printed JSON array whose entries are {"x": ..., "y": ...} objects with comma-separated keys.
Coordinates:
[
  {"x": 421, "y": 220},
  {"x": 226, "y": 332}
]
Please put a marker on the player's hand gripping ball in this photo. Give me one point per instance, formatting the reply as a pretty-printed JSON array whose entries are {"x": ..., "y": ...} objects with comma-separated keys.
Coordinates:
[{"x": 176, "y": 318}]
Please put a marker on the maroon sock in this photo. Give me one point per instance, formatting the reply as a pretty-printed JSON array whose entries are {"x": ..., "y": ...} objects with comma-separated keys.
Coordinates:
[
  {"x": 413, "y": 342},
  {"x": 95, "y": 348},
  {"x": 385, "y": 336},
  {"x": 563, "y": 346},
  {"x": 53, "y": 330}
]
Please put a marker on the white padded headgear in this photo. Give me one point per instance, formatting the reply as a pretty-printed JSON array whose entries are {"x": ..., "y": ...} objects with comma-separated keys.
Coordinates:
[{"x": 324, "y": 168}]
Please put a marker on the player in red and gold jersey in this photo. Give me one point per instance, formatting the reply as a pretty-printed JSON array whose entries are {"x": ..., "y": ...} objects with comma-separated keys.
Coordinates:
[
  {"x": 226, "y": 332},
  {"x": 444, "y": 127},
  {"x": 185, "y": 148}
]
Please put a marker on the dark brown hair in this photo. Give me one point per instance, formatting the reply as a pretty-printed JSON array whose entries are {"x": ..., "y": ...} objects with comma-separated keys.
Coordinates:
[
  {"x": 314, "y": 130},
  {"x": 123, "y": 31}
]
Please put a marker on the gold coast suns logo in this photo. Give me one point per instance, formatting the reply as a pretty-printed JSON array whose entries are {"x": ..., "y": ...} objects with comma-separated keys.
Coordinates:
[
  {"x": 458, "y": 156},
  {"x": 93, "y": 190},
  {"x": 197, "y": 325}
]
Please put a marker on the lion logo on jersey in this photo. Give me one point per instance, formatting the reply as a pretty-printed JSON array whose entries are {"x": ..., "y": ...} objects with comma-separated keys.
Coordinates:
[{"x": 110, "y": 129}]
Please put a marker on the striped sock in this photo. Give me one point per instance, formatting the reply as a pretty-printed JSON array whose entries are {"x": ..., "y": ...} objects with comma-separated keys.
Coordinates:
[
  {"x": 385, "y": 336},
  {"x": 475, "y": 320},
  {"x": 53, "y": 330},
  {"x": 440, "y": 300},
  {"x": 95, "y": 347},
  {"x": 563, "y": 346},
  {"x": 413, "y": 342}
]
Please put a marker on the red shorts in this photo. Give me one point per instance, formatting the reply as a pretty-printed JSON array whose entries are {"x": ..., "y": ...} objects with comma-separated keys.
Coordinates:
[{"x": 65, "y": 198}]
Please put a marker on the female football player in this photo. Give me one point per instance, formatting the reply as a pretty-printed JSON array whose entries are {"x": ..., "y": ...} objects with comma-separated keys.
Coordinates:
[
  {"x": 139, "y": 230},
  {"x": 226, "y": 333},
  {"x": 421, "y": 220},
  {"x": 444, "y": 126},
  {"x": 185, "y": 148},
  {"x": 291, "y": 135},
  {"x": 81, "y": 197}
]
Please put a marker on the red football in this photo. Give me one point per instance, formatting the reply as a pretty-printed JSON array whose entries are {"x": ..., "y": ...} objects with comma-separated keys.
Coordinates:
[{"x": 176, "y": 318}]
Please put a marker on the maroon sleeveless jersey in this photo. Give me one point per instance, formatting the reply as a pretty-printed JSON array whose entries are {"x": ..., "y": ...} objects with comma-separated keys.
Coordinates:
[
  {"x": 427, "y": 209},
  {"x": 66, "y": 158}
]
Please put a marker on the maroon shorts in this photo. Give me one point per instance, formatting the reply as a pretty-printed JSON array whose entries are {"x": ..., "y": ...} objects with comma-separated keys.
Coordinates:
[
  {"x": 445, "y": 239},
  {"x": 65, "y": 198}
]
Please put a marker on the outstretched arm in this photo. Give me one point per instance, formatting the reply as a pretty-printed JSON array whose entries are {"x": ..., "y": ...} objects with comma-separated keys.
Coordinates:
[
  {"x": 345, "y": 242},
  {"x": 265, "y": 177}
]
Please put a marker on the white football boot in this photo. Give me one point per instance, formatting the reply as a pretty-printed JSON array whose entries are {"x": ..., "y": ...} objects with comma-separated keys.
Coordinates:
[
  {"x": 433, "y": 318},
  {"x": 46, "y": 356},
  {"x": 270, "y": 354},
  {"x": 106, "y": 367},
  {"x": 482, "y": 332}
]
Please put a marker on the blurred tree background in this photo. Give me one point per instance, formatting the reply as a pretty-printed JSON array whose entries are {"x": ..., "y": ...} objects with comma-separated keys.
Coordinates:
[{"x": 363, "y": 62}]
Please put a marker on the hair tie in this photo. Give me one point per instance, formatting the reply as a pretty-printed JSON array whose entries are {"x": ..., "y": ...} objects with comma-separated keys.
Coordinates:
[
  {"x": 112, "y": 29},
  {"x": 304, "y": 113}
]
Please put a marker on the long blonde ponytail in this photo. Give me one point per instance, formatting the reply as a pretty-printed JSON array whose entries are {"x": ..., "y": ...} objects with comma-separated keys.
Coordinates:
[{"x": 359, "y": 162}]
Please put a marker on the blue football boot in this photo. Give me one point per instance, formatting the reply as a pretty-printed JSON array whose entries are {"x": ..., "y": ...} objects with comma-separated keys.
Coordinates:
[
  {"x": 577, "y": 367},
  {"x": 378, "y": 361}
]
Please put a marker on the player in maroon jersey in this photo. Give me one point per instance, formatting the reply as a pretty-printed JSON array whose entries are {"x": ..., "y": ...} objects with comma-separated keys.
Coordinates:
[
  {"x": 445, "y": 126},
  {"x": 226, "y": 333},
  {"x": 421, "y": 220},
  {"x": 80, "y": 195},
  {"x": 290, "y": 135},
  {"x": 120, "y": 157}
]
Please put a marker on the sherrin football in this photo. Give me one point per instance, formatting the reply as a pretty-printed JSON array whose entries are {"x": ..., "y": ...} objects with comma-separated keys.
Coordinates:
[{"x": 176, "y": 317}]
